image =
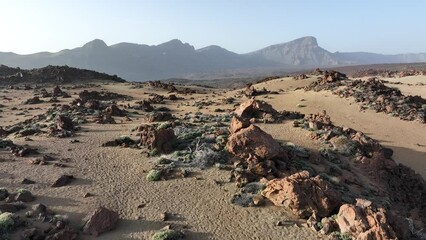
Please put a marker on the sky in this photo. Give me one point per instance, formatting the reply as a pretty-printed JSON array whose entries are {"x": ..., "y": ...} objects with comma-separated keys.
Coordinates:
[{"x": 380, "y": 26}]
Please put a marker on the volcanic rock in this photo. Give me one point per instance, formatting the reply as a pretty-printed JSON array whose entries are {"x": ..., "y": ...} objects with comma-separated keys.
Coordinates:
[
  {"x": 162, "y": 139},
  {"x": 303, "y": 194},
  {"x": 255, "y": 109},
  {"x": 113, "y": 110},
  {"x": 102, "y": 220},
  {"x": 160, "y": 117},
  {"x": 364, "y": 222},
  {"x": 65, "y": 123},
  {"x": 253, "y": 140},
  {"x": 63, "y": 180}
]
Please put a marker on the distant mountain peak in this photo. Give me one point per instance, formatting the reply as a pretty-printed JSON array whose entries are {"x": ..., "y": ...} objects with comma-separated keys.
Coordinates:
[
  {"x": 176, "y": 44},
  {"x": 96, "y": 43},
  {"x": 306, "y": 41}
]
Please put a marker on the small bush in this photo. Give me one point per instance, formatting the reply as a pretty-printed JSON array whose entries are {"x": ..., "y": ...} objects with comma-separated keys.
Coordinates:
[
  {"x": 153, "y": 175},
  {"x": 153, "y": 152},
  {"x": 6, "y": 222},
  {"x": 22, "y": 191},
  {"x": 167, "y": 235}
]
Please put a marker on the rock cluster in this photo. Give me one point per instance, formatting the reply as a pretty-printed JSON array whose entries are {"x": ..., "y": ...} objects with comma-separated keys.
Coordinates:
[
  {"x": 303, "y": 194},
  {"x": 300, "y": 77},
  {"x": 51, "y": 75},
  {"x": 375, "y": 95},
  {"x": 388, "y": 73},
  {"x": 166, "y": 86},
  {"x": 392, "y": 183}
]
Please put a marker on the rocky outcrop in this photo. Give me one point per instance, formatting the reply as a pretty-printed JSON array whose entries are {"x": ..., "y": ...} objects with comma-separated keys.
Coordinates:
[
  {"x": 102, "y": 220},
  {"x": 253, "y": 141},
  {"x": 256, "y": 109},
  {"x": 160, "y": 139},
  {"x": 303, "y": 195},
  {"x": 364, "y": 222}
]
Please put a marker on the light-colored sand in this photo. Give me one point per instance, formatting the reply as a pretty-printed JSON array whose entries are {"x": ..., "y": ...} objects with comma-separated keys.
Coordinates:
[
  {"x": 407, "y": 139},
  {"x": 117, "y": 178}
]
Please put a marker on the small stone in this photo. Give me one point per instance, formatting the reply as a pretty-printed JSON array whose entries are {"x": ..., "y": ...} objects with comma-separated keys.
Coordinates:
[
  {"x": 63, "y": 180},
  {"x": 258, "y": 200},
  {"x": 142, "y": 205},
  {"x": 86, "y": 195},
  {"x": 164, "y": 216},
  {"x": 27, "y": 181}
]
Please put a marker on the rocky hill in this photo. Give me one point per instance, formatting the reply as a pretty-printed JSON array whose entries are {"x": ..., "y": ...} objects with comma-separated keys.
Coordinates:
[{"x": 52, "y": 75}]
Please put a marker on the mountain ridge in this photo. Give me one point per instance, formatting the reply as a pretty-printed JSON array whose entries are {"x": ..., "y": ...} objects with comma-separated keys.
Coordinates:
[{"x": 174, "y": 58}]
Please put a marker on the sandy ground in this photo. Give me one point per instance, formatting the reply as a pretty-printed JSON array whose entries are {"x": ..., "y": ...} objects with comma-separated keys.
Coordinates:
[
  {"x": 116, "y": 176},
  {"x": 406, "y": 138}
]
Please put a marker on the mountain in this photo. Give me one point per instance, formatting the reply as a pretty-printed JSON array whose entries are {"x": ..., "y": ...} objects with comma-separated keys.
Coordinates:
[
  {"x": 139, "y": 62},
  {"x": 300, "y": 52}
]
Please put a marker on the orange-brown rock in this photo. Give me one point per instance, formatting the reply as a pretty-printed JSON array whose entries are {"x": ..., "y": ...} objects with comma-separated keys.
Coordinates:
[
  {"x": 161, "y": 139},
  {"x": 303, "y": 195},
  {"x": 255, "y": 109},
  {"x": 253, "y": 140},
  {"x": 237, "y": 124},
  {"x": 364, "y": 222}
]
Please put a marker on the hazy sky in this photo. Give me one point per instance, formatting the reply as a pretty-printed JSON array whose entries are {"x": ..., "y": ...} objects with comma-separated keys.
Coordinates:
[{"x": 382, "y": 26}]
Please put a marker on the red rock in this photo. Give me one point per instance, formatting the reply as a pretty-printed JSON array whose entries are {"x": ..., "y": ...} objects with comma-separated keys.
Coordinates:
[
  {"x": 253, "y": 140},
  {"x": 161, "y": 139},
  {"x": 364, "y": 222},
  {"x": 237, "y": 124},
  {"x": 303, "y": 195},
  {"x": 255, "y": 109},
  {"x": 101, "y": 221}
]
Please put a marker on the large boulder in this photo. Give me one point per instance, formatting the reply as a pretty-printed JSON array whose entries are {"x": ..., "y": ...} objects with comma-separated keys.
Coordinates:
[
  {"x": 100, "y": 221},
  {"x": 364, "y": 222},
  {"x": 254, "y": 141},
  {"x": 255, "y": 109},
  {"x": 303, "y": 195},
  {"x": 160, "y": 139}
]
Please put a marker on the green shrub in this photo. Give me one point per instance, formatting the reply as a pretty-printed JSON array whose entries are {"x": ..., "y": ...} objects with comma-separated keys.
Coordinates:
[
  {"x": 167, "y": 235},
  {"x": 6, "y": 222},
  {"x": 153, "y": 152},
  {"x": 153, "y": 175}
]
